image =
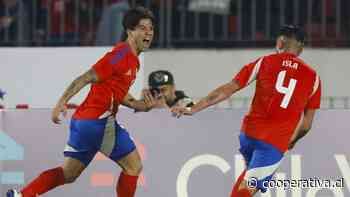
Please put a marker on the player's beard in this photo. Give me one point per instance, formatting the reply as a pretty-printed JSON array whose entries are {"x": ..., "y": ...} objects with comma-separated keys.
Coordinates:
[
  {"x": 139, "y": 46},
  {"x": 144, "y": 46}
]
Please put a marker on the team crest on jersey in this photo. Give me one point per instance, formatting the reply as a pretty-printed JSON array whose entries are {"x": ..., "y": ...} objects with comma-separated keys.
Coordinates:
[{"x": 129, "y": 72}]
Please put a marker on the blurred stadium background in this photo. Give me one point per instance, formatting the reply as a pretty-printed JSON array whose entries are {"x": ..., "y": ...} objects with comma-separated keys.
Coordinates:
[
  {"x": 44, "y": 44},
  {"x": 199, "y": 25},
  {"x": 181, "y": 23}
]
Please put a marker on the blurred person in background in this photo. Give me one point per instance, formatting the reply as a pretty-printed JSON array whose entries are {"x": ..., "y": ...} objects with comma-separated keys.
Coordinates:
[
  {"x": 287, "y": 95},
  {"x": 56, "y": 22},
  {"x": 110, "y": 28},
  {"x": 90, "y": 14},
  {"x": 93, "y": 127},
  {"x": 14, "y": 23},
  {"x": 162, "y": 91},
  {"x": 66, "y": 22}
]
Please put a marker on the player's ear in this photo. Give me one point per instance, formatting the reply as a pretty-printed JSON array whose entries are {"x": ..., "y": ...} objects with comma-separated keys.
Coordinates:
[
  {"x": 300, "y": 48},
  {"x": 129, "y": 33},
  {"x": 280, "y": 42}
]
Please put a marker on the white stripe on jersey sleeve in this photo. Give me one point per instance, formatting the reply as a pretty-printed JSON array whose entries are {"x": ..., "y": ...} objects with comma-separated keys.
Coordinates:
[
  {"x": 255, "y": 71},
  {"x": 316, "y": 84}
]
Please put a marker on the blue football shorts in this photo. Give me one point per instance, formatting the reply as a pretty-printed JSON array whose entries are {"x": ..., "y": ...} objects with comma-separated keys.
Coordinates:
[
  {"x": 262, "y": 160},
  {"x": 87, "y": 137}
]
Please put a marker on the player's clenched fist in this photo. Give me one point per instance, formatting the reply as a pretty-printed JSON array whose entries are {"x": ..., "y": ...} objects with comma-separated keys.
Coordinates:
[{"x": 59, "y": 108}]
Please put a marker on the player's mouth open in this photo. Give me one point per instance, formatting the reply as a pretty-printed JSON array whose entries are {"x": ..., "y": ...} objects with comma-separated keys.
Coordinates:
[{"x": 146, "y": 41}]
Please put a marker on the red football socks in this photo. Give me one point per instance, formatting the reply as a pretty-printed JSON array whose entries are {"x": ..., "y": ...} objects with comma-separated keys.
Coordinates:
[
  {"x": 45, "y": 182},
  {"x": 126, "y": 186},
  {"x": 238, "y": 182},
  {"x": 243, "y": 193}
]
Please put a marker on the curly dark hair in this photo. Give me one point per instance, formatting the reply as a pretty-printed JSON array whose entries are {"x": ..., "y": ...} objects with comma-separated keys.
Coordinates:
[{"x": 132, "y": 18}]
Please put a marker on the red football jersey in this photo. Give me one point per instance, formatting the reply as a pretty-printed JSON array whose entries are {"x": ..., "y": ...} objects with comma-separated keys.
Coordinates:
[
  {"x": 116, "y": 72},
  {"x": 285, "y": 86}
]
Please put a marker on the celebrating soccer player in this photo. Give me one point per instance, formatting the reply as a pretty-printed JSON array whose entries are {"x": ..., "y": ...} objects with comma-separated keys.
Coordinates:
[
  {"x": 93, "y": 126},
  {"x": 286, "y": 96}
]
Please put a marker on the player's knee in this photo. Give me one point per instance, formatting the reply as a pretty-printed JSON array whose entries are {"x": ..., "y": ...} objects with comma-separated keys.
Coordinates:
[
  {"x": 70, "y": 176},
  {"x": 134, "y": 169}
]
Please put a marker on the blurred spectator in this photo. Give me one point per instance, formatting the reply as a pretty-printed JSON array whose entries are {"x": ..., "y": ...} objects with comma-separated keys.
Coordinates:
[
  {"x": 211, "y": 6},
  {"x": 57, "y": 21},
  {"x": 90, "y": 14},
  {"x": 345, "y": 18},
  {"x": 68, "y": 22},
  {"x": 14, "y": 24},
  {"x": 110, "y": 28},
  {"x": 182, "y": 23}
]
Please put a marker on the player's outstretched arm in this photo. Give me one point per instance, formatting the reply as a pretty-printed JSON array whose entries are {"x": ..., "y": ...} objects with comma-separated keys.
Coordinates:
[
  {"x": 80, "y": 82},
  {"x": 219, "y": 94},
  {"x": 304, "y": 128}
]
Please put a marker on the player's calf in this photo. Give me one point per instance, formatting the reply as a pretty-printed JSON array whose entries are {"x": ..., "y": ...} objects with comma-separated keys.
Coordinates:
[
  {"x": 244, "y": 186},
  {"x": 72, "y": 168},
  {"x": 132, "y": 167}
]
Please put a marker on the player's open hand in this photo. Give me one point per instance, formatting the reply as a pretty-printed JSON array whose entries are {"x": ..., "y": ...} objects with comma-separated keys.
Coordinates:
[
  {"x": 180, "y": 111},
  {"x": 55, "y": 116},
  {"x": 150, "y": 101},
  {"x": 153, "y": 100}
]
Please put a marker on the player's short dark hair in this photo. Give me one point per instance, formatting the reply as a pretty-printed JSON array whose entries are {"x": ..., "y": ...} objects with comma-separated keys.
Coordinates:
[
  {"x": 133, "y": 16},
  {"x": 160, "y": 77},
  {"x": 292, "y": 31}
]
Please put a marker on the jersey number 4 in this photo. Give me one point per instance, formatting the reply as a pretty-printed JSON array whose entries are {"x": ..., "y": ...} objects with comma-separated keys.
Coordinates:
[{"x": 287, "y": 91}]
